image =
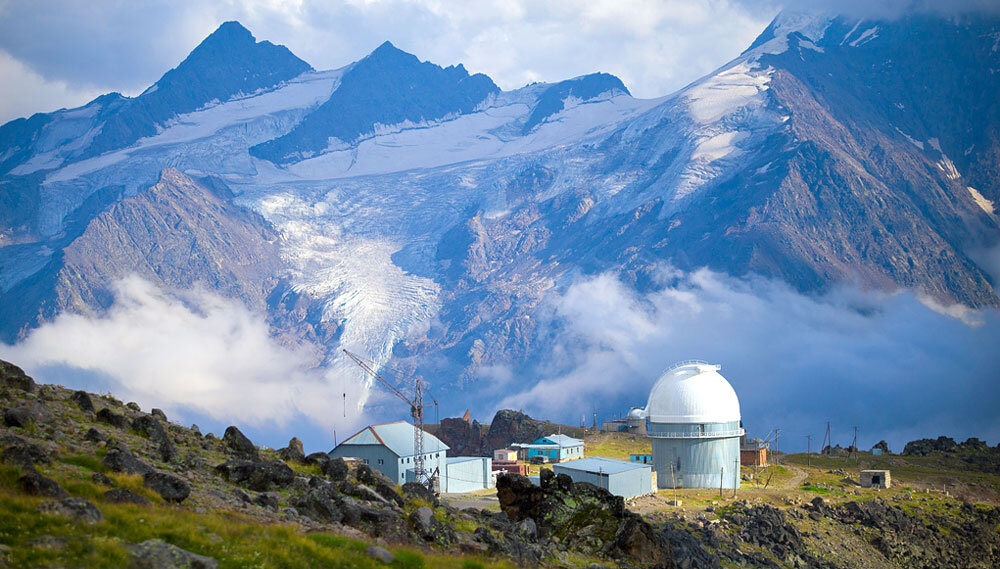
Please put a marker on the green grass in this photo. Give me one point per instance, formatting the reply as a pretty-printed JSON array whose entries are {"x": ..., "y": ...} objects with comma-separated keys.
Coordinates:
[
  {"x": 235, "y": 542},
  {"x": 616, "y": 445},
  {"x": 816, "y": 489}
]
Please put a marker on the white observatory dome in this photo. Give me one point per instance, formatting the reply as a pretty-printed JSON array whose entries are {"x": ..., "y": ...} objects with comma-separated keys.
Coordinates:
[
  {"x": 693, "y": 393},
  {"x": 636, "y": 413}
]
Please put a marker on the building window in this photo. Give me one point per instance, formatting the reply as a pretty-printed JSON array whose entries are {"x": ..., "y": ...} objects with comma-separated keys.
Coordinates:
[
  {"x": 380, "y": 461},
  {"x": 365, "y": 461}
]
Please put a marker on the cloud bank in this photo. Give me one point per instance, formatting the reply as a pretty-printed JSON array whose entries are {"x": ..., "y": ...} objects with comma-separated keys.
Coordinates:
[
  {"x": 887, "y": 363},
  {"x": 194, "y": 354}
]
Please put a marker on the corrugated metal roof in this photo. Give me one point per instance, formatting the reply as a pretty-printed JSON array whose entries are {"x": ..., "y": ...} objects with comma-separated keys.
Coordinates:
[
  {"x": 563, "y": 440},
  {"x": 397, "y": 437},
  {"x": 456, "y": 459},
  {"x": 597, "y": 464}
]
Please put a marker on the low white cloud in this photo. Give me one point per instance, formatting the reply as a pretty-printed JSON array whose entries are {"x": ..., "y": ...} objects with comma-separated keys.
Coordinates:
[
  {"x": 192, "y": 353},
  {"x": 24, "y": 92},
  {"x": 886, "y": 363}
]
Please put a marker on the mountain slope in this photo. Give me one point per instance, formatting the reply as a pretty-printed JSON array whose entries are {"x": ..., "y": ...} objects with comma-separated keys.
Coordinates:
[
  {"x": 386, "y": 88},
  {"x": 420, "y": 214}
]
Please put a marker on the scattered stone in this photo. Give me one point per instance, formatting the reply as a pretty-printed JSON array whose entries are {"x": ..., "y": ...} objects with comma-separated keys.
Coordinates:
[
  {"x": 159, "y": 414},
  {"x": 171, "y": 488},
  {"x": 378, "y": 482},
  {"x": 13, "y": 376},
  {"x": 239, "y": 444},
  {"x": 121, "y": 460},
  {"x": 195, "y": 430},
  {"x": 266, "y": 500},
  {"x": 95, "y": 436},
  {"x": 102, "y": 479},
  {"x": 242, "y": 496},
  {"x": 259, "y": 476},
  {"x": 25, "y": 416},
  {"x": 150, "y": 427},
  {"x": 293, "y": 451},
  {"x": 415, "y": 490},
  {"x": 326, "y": 504},
  {"x": 134, "y": 406},
  {"x": 111, "y": 418},
  {"x": 76, "y": 508},
  {"x": 423, "y": 521},
  {"x": 380, "y": 553},
  {"x": 82, "y": 400},
  {"x": 35, "y": 484},
  {"x": 25, "y": 454},
  {"x": 125, "y": 496},
  {"x": 335, "y": 469},
  {"x": 158, "y": 554}
]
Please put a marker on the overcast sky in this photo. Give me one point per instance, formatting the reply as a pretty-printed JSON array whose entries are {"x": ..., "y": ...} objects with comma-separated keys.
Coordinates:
[{"x": 62, "y": 53}]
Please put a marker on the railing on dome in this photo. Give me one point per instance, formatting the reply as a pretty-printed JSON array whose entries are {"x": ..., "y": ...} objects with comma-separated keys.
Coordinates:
[{"x": 685, "y": 363}]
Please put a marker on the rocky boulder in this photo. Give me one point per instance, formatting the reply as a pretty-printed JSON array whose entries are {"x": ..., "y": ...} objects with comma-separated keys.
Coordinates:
[
  {"x": 170, "y": 487},
  {"x": 120, "y": 460},
  {"x": 24, "y": 416},
  {"x": 25, "y": 454},
  {"x": 293, "y": 451},
  {"x": 14, "y": 377},
  {"x": 322, "y": 503},
  {"x": 35, "y": 484},
  {"x": 111, "y": 418},
  {"x": 82, "y": 400},
  {"x": 149, "y": 426},
  {"x": 335, "y": 469},
  {"x": 239, "y": 444},
  {"x": 378, "y": 482},
  {"x": 259, "y": 476},
  {"x": 414, "y": 490},
  {"x": 158, "y": 554},
  {"x": 583, "y": 517},
  {"x": 924, "y": 447},
  {"x": 125, "y": 496},
  {"x": 426, "y": 525},
  {"x": 75, "y": 508}
]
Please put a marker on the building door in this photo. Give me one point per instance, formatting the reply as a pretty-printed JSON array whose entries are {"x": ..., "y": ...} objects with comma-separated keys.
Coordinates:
[{"x": 876, "y": 480}]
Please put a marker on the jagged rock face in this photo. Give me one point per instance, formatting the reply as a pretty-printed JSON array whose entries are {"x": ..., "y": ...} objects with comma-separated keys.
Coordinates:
[{"x": 463, "y": 438}]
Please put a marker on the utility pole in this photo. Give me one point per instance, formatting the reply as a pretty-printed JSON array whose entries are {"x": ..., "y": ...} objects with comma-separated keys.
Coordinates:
[
  {"x": 809, "y": 439},
  {"x": 827, "y": 440},
  {"x": 722, "y": 476},
  {"x": 736, "y": 476},
  {"x": 776, "y": 431},
  {"x": 854, "y": 445}
]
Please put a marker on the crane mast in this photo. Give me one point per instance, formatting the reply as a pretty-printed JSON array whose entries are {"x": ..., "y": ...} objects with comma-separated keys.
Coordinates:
[{"x": 416, "y": 411}]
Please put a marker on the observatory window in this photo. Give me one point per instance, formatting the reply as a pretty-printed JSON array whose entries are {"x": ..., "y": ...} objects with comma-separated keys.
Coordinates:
[
  {"x": 678, "y": 463},
  {"x": 380, "y": 461}
]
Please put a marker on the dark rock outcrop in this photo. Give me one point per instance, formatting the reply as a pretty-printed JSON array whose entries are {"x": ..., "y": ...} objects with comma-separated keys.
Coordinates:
[
  {"x": 293, "y": 451},
  {"x": 121, "y": 460},
  {"x": 335, "y": 469},
  {"x": 149, "y": 426},
  {"x": 259, "y": 476},
  {"x": 24, "y": 416},
  {"x": 82, "y": 400},
  {"x": 37, "y": 485},
  {"x": 14, "y": 377},
  {"x": 170, "y": 487},
  {"x": 239, "y": 444},
  {"x": 378, "y": 482},
  {"x": 25, "y": 454},
  {"x": 111, "y": 418},
  {"x": 95, "y": 436},
  {"x": 582, "y": 516}
]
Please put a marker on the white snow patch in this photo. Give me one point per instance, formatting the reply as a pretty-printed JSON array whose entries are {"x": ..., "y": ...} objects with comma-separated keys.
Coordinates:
[
  {"x": 865, "y": 37},
  {"x": 307, "y": 90},
  {"x": 716, "y": 147},
  {"x": 723, "y": 93},
  {"x": 912, "y": 140},
  {"x": 850, "y": 33},
  {"x": 985, "y": 204},
  {"x": 948, "y": 167},
  {"x": 935, "y": 144}
]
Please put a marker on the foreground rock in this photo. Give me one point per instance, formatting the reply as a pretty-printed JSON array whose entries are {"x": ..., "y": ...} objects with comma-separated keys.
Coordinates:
[
  {"x": 121, "y": 460},
  {"x": 35, "y": 484},
  {"x": 239, "y": 444},
  {"x": 583, "y": 517},
  {"x": 171, "y": 488},
  {"x": 125, "y": 496},
  {"x": 14, "y": 377},
  {"x": 158, "y": 554},
  {"x": 149, "y": 426},
  {"x": 76, "y": 508},
  {"x": 293, "y": 452}
]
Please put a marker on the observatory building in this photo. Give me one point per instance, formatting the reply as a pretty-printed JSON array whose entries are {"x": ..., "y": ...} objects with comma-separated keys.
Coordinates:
[{"x": 693, "y": 419}]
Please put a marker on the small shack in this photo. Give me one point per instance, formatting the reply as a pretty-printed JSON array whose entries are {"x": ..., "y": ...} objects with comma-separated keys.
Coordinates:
[
  {"x": 554, "y": 448},
  {"x": 467, "y": 473},
  {"x": 641, "y": 458},
  {"x": 505, "y": 454},
  {"x": 621, "y": 478},
  {"x": 875, "y": 479}
]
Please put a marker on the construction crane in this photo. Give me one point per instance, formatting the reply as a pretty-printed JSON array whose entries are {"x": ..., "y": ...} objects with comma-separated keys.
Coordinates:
[{"x": 416, "y": 411}]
